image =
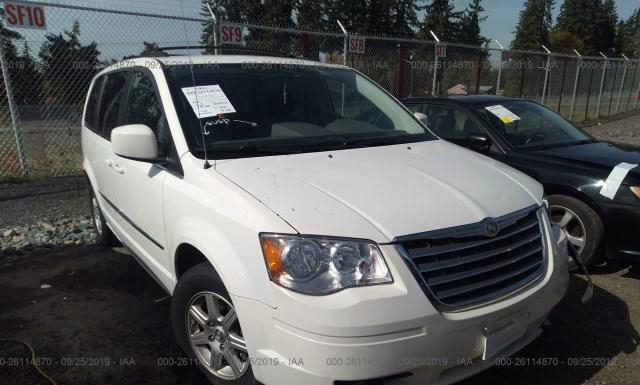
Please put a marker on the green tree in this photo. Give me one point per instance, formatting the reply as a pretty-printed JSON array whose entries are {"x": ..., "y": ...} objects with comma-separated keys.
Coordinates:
[
  {"x": 352, "y": 14},
  {"x": 591, "y": 21},
  {"x": 275, "y": 12},
  {"x": 379, "y": 16},
  {"x": 470, "y": 24},
  {"x": 312, "y": 14},
  {"x": 21, "y": 68},
  {"x": 441, "y": 18},
  {"x": 533, "y": 26},
  {"x": 565, "y": 42},
  {"x": 270, "y": 12},
  {"x": 404, "y": 18},
  {"x": 67, "y": 66},
  {"x": 607, "y": 21},
  {"x": 148, "y": 50},
  {"x": 629, "y": 34},
  {"x": 24, "y": 77}
]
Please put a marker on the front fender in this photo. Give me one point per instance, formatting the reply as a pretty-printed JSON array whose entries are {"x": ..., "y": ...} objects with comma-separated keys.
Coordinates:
[
  {"x": 90, "y": 174},
  {"x": 239, "y": 264},
  {"x": 221, "y": 221}
]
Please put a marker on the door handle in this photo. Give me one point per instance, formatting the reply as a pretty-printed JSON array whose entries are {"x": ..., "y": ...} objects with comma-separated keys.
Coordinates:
[{"x": 118, "y": 168}]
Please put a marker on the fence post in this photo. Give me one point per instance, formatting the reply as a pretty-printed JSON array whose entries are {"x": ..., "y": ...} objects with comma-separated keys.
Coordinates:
[
  {"x": 604, "y": 73},
  {"x": 633, "y": 81},
  {"x": 637, "y": 96},
  {"x": 400, "y": 72},
  {"x": 624, "y": 75},
  {"x": 564, "y": 75},
  {"x": 499, "y": 67},
  {"x": 613, "y": 88},
  {"x": 13, "y": 110},
  {"x": 546, "y": 74},
  {"x": 575, "y": 85},
  {"x": 586, "y": 108},
  {"x": 478, "y": 71},
  {"x": 521, "y": 91},
  {"x": 435, "y": 63},
  {"x": 216, "y": 42},
  {"x": 345, "y": 46}
]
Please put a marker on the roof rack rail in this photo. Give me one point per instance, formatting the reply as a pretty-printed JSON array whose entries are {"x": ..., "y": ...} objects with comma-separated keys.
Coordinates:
[{"x": 257, "y": 50}]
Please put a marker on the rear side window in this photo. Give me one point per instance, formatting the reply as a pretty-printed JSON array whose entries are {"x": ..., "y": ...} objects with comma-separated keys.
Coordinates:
[
  {"x": 112, "y": 98},
  {"x": 451, "y": 123},
  {"x": 414, "y": 107},
  {"x": 92, "y": 105},
  {"x": 143, "y": 106}
]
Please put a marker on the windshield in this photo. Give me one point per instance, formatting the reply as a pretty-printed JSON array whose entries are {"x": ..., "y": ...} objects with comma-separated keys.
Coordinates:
[
  {"x": 254, "y": 110},
  {"x": 529, "y": 125}
]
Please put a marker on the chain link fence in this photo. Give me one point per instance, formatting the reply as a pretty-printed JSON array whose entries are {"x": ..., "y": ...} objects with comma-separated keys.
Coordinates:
[{"x": 46, "y": 73}]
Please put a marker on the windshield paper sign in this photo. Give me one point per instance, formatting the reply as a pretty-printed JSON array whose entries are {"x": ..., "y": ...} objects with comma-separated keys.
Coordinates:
[
  {"x": 502, "y": 113},
  {"x": 208, "y": 101}
]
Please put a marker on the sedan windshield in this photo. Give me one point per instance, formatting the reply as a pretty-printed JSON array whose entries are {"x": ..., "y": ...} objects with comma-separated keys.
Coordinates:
[
  {"x": 527, "y": 125},
  {"x": 239, "y": 110}
]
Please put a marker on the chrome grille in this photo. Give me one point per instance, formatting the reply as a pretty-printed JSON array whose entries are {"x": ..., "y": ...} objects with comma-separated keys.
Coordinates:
[{"x": 464, "y": 266}]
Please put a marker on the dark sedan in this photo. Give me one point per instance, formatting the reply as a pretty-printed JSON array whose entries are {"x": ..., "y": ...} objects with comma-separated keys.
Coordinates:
[{"x": 572, "y": 166}]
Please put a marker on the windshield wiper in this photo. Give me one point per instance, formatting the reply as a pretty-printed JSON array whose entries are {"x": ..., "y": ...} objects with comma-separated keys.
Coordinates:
[
  {"x": 248, "y": 151},
  {"x": 342, "y": 142},
  {"x": 555, "y": 145}
]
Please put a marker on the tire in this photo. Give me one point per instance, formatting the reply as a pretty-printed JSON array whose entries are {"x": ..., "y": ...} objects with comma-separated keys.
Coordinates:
[
  {"x": 105, "y": 236},
  {"x": 581, "y": 224},
  {"x": 198, "y": 289}
]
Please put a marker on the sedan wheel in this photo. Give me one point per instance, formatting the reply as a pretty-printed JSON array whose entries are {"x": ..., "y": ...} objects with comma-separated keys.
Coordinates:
[
  {"x": 572, "y": 226},
  {"x": 581, "y": 224},
  {"x": 215, "y": 336}
]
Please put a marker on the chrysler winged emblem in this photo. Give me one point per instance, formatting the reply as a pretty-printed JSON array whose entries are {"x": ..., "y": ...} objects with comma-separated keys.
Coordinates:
[{"x": 490, "y": 228}]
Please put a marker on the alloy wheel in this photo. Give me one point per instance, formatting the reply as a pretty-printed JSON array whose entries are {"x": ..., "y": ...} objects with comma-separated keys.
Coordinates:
[
  {"x": 215, "y": 336},
  {"x": 572, "y": 226}
]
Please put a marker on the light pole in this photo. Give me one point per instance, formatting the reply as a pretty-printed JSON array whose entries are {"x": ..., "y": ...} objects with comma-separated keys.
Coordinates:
[
  {"x": 546, "y": 74},
  {"x": 604, "y": 73},
  {"x": 215, "y": 28},
  {"x": 575, "y": 84},
  {"x": 435, "y": 63},
  {"x": 345, "y": 46},
  {"x": 624, "y": 75},
  {"x": 499, "y": 67},
  {"x": 410, "y": 62}
]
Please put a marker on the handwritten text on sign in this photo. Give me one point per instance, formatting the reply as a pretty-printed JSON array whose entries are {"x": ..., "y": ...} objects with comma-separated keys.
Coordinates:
[
  {"x": 231, "y": 34},
  {"x": 24, "y": 15},
  {"x": 356, "y": 44}
]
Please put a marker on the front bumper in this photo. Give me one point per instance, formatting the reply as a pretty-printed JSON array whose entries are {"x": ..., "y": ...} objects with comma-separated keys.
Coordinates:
[
  {"x": 388, "y": 330},
  {"x": 622, "y": 222}
]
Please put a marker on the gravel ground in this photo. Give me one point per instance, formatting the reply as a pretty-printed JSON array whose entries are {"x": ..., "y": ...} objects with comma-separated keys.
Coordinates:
[
  {"x": 100, "y": 319},
  {"x": 624, "y": 129},
  {"x": 48, "y": 199}
]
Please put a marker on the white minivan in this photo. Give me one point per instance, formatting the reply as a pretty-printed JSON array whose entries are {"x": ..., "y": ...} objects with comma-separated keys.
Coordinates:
[{"x": 310, "y": 229}]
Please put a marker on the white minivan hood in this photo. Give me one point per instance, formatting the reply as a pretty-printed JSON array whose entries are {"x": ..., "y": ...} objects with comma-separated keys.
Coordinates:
[{"x": 379, "y": 193}]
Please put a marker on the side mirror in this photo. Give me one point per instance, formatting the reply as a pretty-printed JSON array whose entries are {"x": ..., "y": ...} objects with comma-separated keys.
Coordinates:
[
  {"x": 424, "y": 119},
  {"x": 479, "y": 142},
  {"x": 135, "y": 141}
]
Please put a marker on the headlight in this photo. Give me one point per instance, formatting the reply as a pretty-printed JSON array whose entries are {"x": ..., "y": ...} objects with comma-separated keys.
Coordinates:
[
  {"x": 635, "y": 190},
  {"x": 316, "y": 265}
]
